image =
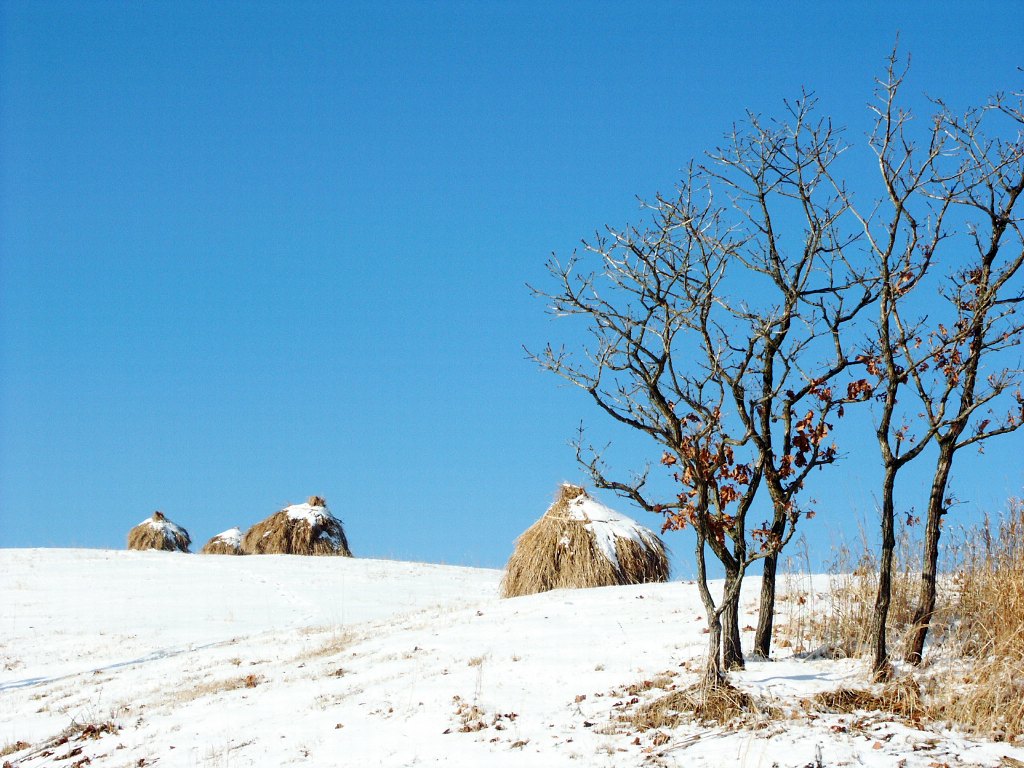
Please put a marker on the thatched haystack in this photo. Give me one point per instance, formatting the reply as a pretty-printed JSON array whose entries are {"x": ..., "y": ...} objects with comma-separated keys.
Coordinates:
[
  {"x": 578, "y": 543},
  {"x": 301, "y": 529},
  {"x": 228, "y": 542},
  {"x": 157, "y": 532}
]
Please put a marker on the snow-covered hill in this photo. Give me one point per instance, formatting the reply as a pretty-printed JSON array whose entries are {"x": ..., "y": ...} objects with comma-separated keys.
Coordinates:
[{"x": 168, "y": 659}]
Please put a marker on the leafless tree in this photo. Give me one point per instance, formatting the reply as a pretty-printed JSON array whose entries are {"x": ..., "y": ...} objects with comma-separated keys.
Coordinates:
[
  {"x": 718, "y": 330},
  {"x": 645, "y": 307},
  {"x": 788, "y": 388},
  {"x": 916, "y": 357},
  {"x": 969, "y": 390}
]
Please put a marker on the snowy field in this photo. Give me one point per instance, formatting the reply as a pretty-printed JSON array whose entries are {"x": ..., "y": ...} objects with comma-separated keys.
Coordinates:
[{"x": 159, "y": 659}]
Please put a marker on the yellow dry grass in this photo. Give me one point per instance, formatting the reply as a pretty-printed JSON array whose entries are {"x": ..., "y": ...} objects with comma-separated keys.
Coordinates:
[
  {"x": 202, "y": 688},
  {"x": 839, "y": 622},
  {"x": 987, "y": 694},
  {"x": 973, "y": 675},
  {"x": 721, "y": 703},
  {"x": 901, "y": 696}
]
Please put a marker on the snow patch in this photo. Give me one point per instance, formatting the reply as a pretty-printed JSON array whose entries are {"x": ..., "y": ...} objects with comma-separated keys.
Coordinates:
[
  {"x": 164, "y": 525},
  {"x": 608, "y": 526},
  {"x": 232, "y": 536},
  {"x": 309, "y": 514}
]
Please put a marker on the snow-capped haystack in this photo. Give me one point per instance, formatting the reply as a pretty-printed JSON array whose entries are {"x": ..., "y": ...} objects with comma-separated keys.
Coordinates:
[
  {"x": 228, "y": 542},
  {"x": 157, "y": 532},
  {"x": 301, "y": 529},
  {"x": 579, "y": 543}
]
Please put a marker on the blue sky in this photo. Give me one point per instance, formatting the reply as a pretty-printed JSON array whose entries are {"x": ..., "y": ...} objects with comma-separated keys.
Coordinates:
[{"x": 255, "y": 251}]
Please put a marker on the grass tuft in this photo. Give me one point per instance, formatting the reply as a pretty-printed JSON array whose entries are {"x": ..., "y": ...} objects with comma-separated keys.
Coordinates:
[{"x": 718, "y": 704}]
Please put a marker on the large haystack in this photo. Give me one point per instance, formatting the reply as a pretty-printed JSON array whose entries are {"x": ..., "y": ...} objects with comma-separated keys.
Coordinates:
[
  {"x": 301, "y": 529},
  {"x": 157, "y": 532},
  {"x": 579, "y": 542},
  {"x": 227, "y": 543}
]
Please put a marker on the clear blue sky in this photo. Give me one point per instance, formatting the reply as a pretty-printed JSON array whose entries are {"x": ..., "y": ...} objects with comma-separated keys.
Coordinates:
[{"x": 255, "y": 251}]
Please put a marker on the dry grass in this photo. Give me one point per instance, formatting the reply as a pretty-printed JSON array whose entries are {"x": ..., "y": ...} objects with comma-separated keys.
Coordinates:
[
  {"x": 719, "y": 704},
  {"x": 169, "y": 539},
  {"x": 199, "y": 690},
  {"x": 838, "y": 623},
  {"x": 472, "y": 719},
  {"x": 281, "y": 534},
  {"x": 332, "y": 646},
  {"x": 557, "y": 552},
  {"x": 987, "y": 694},
  {"x": 973, "y": 675},
  {"x": 15, "y": 746},
  {"x": 75, "y": 732},
  {"x": 902, "y": 697}
]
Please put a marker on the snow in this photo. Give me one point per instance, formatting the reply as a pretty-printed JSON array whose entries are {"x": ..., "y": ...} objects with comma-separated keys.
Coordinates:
[
  {"x": 308, "y": 513},
  {"x": 232, "y": 537},
  {"x": 277, "y": 660},
  {"x": 164, "y": 525},
  {"x": 607, "y": 525}
]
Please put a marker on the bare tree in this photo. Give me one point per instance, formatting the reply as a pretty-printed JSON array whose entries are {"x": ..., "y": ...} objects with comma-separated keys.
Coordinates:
[
  {"x": 645, "y": 308},
  {"x": 788, "y": 388},
  {"x": 971, "y": 394},
  {"x": 926, "y": 182},
  {"x": 723, "y": 340},
  {"x": 901, "y": 242}
]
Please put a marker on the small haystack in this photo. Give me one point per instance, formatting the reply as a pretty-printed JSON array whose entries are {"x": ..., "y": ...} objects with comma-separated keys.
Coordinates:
[
  {"x": 582, "y": 543},
  {"x": 157, "y": 532},
  {"x": 301, "y": 529},
  {"x": 227, "y": 543}
]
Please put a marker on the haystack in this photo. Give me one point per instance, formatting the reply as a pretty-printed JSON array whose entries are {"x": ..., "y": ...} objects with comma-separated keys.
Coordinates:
[
  {"x": 157, "y": 532},
  {"x": 228, "y": 542},
  {"x": 301, "y": 529},
  {"x": 578, "y": 543}
]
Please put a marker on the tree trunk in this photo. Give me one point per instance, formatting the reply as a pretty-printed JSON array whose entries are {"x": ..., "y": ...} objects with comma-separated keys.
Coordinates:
[
  {"x": 880, "y": 667},
  {"x": 766, "y": 610},
  {"x": 732, "y": 653},
  {"x": 713, "y": 676},
  {"x": 929, "y": 568},
  {"x": 713, "y": 663}
]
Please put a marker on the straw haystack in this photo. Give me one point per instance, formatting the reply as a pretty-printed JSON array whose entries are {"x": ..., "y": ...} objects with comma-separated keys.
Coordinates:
[
  {"x": 227, "y": 543},
  {"x": 157, "y": 532},
  {"x": 582, "y": 543},
  {"x": 301, "y": 529}
]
